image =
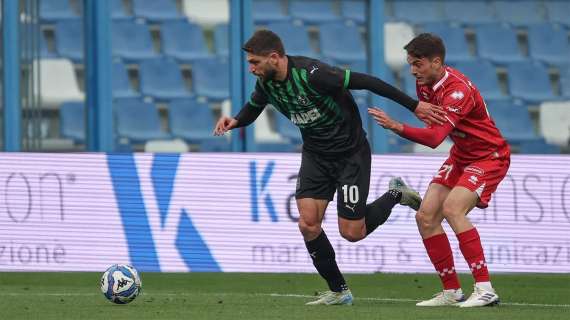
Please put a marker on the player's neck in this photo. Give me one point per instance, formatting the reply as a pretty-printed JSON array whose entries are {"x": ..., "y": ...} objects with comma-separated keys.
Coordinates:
[
  {"x": 282, "y": 69},
  {"x": 440, "y": 76}
]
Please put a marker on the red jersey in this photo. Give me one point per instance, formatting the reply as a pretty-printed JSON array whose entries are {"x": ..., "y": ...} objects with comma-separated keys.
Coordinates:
[{"x": 474, "y": 133}]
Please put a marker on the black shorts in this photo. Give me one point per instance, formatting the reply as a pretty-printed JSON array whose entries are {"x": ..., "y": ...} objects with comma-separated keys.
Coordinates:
[{"x": 319, "y": 178}]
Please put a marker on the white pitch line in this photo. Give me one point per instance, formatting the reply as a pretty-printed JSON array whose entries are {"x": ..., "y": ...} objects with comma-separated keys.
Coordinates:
[{"x": 279, "y": 295}]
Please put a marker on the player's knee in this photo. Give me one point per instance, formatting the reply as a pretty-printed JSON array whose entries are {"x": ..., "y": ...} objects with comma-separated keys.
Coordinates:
[
  {"x": 309, "y": 228},
  {"x": 452, "y": 210},
  {"x": 352, "y": 235},
  {"x": 425, "y": 220}
]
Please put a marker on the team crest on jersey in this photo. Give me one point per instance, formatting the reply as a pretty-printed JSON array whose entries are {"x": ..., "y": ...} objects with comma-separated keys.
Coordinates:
[
  {"x": 457, "y": 95},
  {"x": 302, "y": 100}
]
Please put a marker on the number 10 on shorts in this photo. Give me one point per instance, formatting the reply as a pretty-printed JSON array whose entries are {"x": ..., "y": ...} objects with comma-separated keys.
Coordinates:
[{"x": 350, "y": 194}]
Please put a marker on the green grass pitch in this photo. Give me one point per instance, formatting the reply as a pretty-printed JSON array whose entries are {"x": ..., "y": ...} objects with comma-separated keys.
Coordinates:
[{"x": 272, "y": 296}]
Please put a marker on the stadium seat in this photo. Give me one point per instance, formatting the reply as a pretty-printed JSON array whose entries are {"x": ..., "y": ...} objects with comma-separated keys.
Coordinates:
[
  {"x": 484, "y": 76},
  {"x": 156, "y": 11},
  {"x": 191, "y": 120},
  {"x": 183, "y": 40},
  {"x": 396, "y": 36},
  {"x": 479, "y": 11},
  {"x": 513, "y": 120},
  {"x": 354, "y": 10},
  {"x": 295, "y": 38},
  {"x": 166, "y": 146},
  {"x": 349, "y": 50},
  {"x": 161, "y": 79},
  {"x": 72, "y": 121},
  {"x": 549, "y": 43},
  {"x": 519, "y": 13},
  {"x": 312, "y": 11},
  {"x": 529, "y": 81},
  {"x": 131, "y": 41},
  {"x": 266, "y": 11},
  {"x": 58, "y": 82},
  {"x": 211, "y": 77},
  {"x": 558, "y": 11},
  {"x": 417, "y": 11},
  {"x": 121, "y": 84},
  {"x": 408, "y": 83},
  {"x": 207, "y": 13},
  {"x": 554, "y": 120},
  {"x": 221, "y": 40},
  {"x": 138, "y": 121},
  {"x": 498, "y": 43},
  {"x": 52, "y": 10},
  {"x": 118, "y": 10},
  {"x": 69, "y": 39},
  {"x": 456, "y": 47},
  {"x": 267, "y": 139}
]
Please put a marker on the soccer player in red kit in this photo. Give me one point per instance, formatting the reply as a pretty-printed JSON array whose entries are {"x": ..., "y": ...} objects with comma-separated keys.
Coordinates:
[{"x": 478, "y": 161}]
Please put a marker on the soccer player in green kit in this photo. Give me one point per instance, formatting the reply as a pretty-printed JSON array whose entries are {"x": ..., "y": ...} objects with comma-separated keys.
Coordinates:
[{"x": 336, "y": 155}]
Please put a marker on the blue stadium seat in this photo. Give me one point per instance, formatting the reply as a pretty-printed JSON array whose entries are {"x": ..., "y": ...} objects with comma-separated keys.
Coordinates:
[
  {"x": 69, "y": 39},
  {"x": 156, "y": 11},
  {"x": 211, "y": 77},
  {"x": 161, "y": 79},
  {"x": 565, "y": 82},
  {"x": 558, "y": 11},
  {"x": 513, "y": 120},
  {"x": 295, "y": 38},
  {"x": 121, "y": 84},
  {"x": 408, "y": 83},
  {"x": 350, "y": 49},
  {"x": 118, "y": 10},
  {"x": 519, "y": 13},
  {"x": 72, "y": 121},
  {"x": 498, "y": 43},
  {"x": 138, "y": 121},
  {"x": 549, "y": 43},
  {"x": 44, "y": 50},
  {"x": 221, "y": 40},
  {"x": 418, "y": 11},
  {"x": 456, "y": 47},
  {"x": 183, "y": 40},
  {"x": 529, "y": 81},
  {"x": 287, "y": 129},
  {"x": 192, "y": 121},
  {"x": 52, "y": 10},
  {"x": 266, "y": 11},
  {"x": 354, "y": 10},
  {"x": 484, "y": 76},
  {"x": 469, "y": 12},
  {"x": 312, "y": 11},
  {"x": 131, "y": 41}
]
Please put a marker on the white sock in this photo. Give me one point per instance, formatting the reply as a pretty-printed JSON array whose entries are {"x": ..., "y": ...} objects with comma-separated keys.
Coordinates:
[{"x": 486, "y": 285}]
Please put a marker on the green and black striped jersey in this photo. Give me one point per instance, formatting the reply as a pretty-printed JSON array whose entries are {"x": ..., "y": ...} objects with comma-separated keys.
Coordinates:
[{"x": 314, "y": 96}]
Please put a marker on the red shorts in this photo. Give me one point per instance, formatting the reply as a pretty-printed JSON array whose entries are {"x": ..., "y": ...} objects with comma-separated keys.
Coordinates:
[{"x": 481, "y": 177}]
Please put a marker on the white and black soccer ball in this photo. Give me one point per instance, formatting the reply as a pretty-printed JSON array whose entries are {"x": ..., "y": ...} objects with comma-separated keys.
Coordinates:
[{"x": 121, "y": 283}]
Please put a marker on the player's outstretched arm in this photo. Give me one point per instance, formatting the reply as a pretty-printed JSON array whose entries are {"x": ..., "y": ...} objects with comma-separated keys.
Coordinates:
[
  {"x": 432, "y": 136},
  {"x": 245, "y": 117},
  {"x": 426, "y": 112}
]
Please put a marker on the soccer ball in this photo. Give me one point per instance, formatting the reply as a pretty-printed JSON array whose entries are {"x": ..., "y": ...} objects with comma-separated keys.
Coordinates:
[{"x": 121, "y": 283}]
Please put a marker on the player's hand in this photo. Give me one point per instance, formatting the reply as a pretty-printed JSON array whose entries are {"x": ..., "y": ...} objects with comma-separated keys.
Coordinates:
[
  {"x": 224, "y": 124},
  {"x": 430, "y": 114},
  {"x": 384, "y": 120}
]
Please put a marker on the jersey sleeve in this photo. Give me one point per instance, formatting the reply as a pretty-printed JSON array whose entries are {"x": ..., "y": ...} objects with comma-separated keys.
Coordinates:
[
  {"x": 258, "y": 97},
  {"x": 328, "y": 79},
  {"x": 457, "y": 102}
]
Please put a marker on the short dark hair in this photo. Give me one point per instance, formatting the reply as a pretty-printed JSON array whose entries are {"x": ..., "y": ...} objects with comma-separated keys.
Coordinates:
[
  {"x": 426, "y": 45},
  {"x": 263, "y": 42}
]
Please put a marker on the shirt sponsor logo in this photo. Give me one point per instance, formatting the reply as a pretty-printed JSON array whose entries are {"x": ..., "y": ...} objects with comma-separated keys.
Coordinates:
[
  {"x": 454, "y": 109},
  {"x": 457, "y": 95},
  {"x": 305, "y": 117}
]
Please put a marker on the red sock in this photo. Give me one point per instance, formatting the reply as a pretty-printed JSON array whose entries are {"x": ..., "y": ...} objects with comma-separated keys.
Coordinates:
[
  {"x": 439, "y": 252},
  {"x": 470, "y": 245}
]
